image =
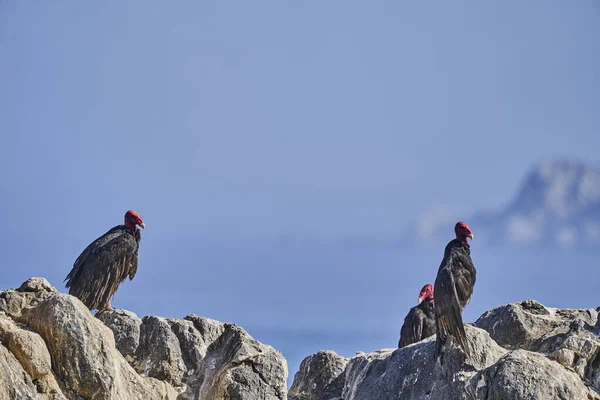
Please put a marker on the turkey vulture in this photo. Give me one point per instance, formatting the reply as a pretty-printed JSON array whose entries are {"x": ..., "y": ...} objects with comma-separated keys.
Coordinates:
[
  {"x": 453, "y": 288},
  {"x": 105, "y": 263},
  {"x": 420, "y": 320}
]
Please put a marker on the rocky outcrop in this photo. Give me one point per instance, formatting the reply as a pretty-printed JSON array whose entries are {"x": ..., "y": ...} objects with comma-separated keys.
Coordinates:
[
  {"x": 518, "y": 351},
  {"x": 52, "y": 347},
  {"x": 206, "y": 359},
  {"x": 556, "y": 205},
  {"x": 568, "y": 336},
  {"x": 321, "y": 377}
]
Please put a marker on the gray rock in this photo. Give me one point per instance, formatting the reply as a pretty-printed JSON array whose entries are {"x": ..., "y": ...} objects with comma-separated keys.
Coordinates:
[
  {"x": 84, "y": 356},
  {"x": 36, "y": 285},
  {"x": 14, "y": 381},
  {"x": 53, "y": 348},
  {"x": 159, "y": 354},
  {"x": 567, "y": 336},
  {"x": 525, "y": 325},
  {"x": 565, "y": 366},
  {"x": 321, "y": 377},
  {"x": 126, "y": 329},
  {"x": 32, "y": 291},
  {"x": 529, "y": 376},
  {"x": 192, "y": 343},
  {"x": 209, "y": 329},
  {"x": 564, "y": 357},
  {"x": 203, "y": 358},
  {"x": 235, "y": 366},
  {"x": 30, "y": 350},
  {"x": 13, "y": 302},
  {"x": 412, "y": 373}
]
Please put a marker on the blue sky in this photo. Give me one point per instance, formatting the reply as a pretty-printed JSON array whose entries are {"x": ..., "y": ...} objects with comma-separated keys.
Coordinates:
[
  {"x": 260, "y": 118},
  {"x": 226, "y": 123}
]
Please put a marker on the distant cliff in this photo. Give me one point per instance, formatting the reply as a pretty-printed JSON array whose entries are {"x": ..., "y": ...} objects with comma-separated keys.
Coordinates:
[
  {"x": 52, "y": 347},
  {"x": 557, "y": 205},
  {"x": 521, "y": 351}
]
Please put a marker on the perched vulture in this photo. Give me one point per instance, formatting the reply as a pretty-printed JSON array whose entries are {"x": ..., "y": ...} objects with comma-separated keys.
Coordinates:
[
  {"x": 453, "y": 288},
  {"x": 105, "y": 263},
  {"x": 420, "y": 320}
]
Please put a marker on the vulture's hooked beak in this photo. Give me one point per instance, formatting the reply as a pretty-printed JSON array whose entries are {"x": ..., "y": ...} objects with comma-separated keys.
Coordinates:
[
  {"x": 470, "y": 236},
  {"x": 143, "y": 225},
  {"x": 420, "y": 299}
]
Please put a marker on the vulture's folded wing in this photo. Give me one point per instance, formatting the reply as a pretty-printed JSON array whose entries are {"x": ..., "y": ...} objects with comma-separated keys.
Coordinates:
[
  {"x": 412, "y": 329},
  {"x": 96, "y": 277},
  {"x": 448, "y": 311}
]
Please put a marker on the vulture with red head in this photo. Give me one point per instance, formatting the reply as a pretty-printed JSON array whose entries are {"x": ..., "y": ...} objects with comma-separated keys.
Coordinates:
[
  {"x": 453, "y": 288},
  {"x": 105, "y": 263},
  {"x": 420, "y": 320}
]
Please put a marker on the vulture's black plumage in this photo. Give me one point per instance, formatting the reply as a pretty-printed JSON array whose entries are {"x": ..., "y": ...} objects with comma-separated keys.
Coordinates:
[
  {"x": 419, "y": 323},
  {"x": 453, "y": 288},
  {"x": 105, "y": 263}
]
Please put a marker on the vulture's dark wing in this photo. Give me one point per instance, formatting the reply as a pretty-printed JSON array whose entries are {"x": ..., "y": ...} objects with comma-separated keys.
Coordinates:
[
  {"x": 104, "y": 264},
  {"x": 464, "y": 278},
  {"x": 134, "y": 263},
  {"x": 90, "y": 249},
  {"x": 448, "y": 311},
  {"x": 412, "y": 330}
]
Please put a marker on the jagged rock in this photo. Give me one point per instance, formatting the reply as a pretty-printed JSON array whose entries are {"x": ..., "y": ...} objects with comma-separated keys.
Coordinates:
[
  {"x": 564, "y": 357},
  {"x": 525, "y": 375},
  {"x": 321, "y": 377},
  {"x": 566, "y": 364},
  {"x": 209, "y": 329},
  {"x": 159, "y": 354},
  {"x": 525, "y": 325},
  {"x": 206, "y": 359},
  {"x": 36, "y": 285},
  {"x": 126, "y": 329},
  {"x": 376, "y": 375},
  {"x": 230, "y": 364},
  {"x": 407, "y": 373},
  {"x": 83, "y": 352},
  {"x": 13, "y": 302},
  {"x": 53, "y": 348},
  {"x": 30, "y": 350},
  {"x": 192, "y": 343},
  {"x": 566, "y": 335},
  {"x": 14, "y": 381},
  {"x": 32, "y": 291}
]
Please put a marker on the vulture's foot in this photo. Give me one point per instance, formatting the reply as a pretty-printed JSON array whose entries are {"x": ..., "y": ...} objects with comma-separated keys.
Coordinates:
[{"x": 107, "y": 307}]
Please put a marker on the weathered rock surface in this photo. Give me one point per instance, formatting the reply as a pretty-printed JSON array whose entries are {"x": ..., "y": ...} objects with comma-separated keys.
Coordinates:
[
  {"x": 527, "y": 324},
  {"x": 568, "y": 336},
  {"x": 203, "y": 358},
  {"x": 545, "y": 354},
  {"x": 52, "y": 347},
  {"x": 321, "y": 377}
]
